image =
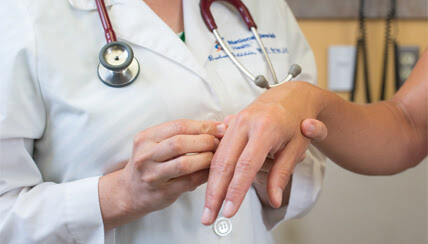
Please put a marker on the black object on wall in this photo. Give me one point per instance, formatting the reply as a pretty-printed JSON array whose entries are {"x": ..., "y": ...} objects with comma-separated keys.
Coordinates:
[{"x": 362, "y": 50}]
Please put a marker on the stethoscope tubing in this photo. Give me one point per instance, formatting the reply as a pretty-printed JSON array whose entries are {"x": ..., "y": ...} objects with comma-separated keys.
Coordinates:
[
  {"x": 125, "y": 69},
  {"x": 105, "y": 21},
  {"x": 118, "y": 69},
  {"x": 248, "y": 19}
]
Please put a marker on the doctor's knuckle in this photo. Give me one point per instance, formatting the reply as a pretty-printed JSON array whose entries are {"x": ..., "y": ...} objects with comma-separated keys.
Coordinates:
[
  {"x": 209, "y": 141},
  {"x": 150, "y": 177},
  {"x": 175, "y": 144},
  {"x": 179, "y": 126},
  {"x": 182, "y": 166},
  {"x": 207, "y": 127},
  {"x": 142, "y": 157}
]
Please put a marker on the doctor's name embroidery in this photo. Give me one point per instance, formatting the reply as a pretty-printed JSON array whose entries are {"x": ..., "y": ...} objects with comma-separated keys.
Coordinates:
[{"x": 246, "y": 47}]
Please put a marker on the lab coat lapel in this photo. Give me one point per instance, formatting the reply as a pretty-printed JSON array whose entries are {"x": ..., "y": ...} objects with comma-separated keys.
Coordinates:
[
  {"x": 135, "y": 22},
  {"x": 199, "y": 39}
]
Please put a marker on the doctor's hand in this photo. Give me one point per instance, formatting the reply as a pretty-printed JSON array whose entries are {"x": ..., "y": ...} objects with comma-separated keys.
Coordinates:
[
  {"x": 269, "y": 125},
  {"x": 167, "y": 161}
]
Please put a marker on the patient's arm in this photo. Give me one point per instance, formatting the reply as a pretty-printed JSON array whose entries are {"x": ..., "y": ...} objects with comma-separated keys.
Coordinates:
[{"x": 382, "y": 138}]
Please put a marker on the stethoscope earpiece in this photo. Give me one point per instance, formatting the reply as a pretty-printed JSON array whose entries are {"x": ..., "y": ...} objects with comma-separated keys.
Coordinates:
[
  {"x": 261, "y": 82},
  {"x": 117, "y": 67}
]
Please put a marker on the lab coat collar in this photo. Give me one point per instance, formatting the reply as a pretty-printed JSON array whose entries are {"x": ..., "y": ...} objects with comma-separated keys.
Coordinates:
[{"x": 135, "y": 22}]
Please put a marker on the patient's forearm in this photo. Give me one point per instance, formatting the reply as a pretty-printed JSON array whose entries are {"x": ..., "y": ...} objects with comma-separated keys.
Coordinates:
[
  {"x": 369, "y": 139},
  {"x": 382, "y": 138}
]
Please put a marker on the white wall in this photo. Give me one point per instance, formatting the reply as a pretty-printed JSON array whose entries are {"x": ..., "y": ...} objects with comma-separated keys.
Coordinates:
[{"x": 356, "y": 209}]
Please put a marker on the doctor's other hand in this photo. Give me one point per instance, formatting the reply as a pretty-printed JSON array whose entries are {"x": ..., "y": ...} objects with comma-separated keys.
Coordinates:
[
  {"x": 271, "y": 125},
  {"x": 167, "y": 161}
]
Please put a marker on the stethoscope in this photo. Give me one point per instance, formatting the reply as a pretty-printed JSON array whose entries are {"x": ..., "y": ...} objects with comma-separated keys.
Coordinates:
[{"x": 118, "y": 67}]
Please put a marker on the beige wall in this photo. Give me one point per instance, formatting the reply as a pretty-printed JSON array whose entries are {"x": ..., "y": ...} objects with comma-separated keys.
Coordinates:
[{"x": 355, "y": 209}]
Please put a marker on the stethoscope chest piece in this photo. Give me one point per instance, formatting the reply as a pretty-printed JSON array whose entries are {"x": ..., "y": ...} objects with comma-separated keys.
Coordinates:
[{"x": 117, "y": 67}]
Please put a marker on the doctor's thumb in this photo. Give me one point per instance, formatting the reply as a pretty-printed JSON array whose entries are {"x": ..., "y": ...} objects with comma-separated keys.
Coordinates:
[{"x": 314, "y": 129}]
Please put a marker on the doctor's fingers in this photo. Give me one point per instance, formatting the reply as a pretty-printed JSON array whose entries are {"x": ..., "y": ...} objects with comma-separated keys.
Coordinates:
[
  {"x": 314, "y": 129},
  {"x": 283, "y": 167},
  {"x": 248, "y": 165},
  {"x": 187, "y": 183},
  {"x": 184, "y": 165},
  {"x": 221, "y": 172},
  {"x": 182, "y": 144},
  {"x": 166, "y": 130}
]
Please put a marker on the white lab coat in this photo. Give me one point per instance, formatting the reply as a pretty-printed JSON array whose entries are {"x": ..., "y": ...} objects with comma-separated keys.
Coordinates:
[{"x": 61, "y": 128}]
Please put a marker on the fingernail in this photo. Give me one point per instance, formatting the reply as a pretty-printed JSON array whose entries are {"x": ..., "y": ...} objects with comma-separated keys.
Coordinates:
[
  {"x": 228, "y": 209},
  {"x": 206, "y": 216},
  {"x": 221, "y": 128},
  {"x": 278, "y": 195},
  {"x": 311, "y": 128}
]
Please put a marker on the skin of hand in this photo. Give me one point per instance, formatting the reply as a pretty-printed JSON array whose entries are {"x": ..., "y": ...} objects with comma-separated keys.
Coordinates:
[
  {"x": 269, "y": 125},
  {"x": 377, "y": 139},
  {"x": 260, "y": 181},
  {"x": 167, "y": 161},
  {"x": 314, "y": 129},
  {"x": 260, "y": 184}
]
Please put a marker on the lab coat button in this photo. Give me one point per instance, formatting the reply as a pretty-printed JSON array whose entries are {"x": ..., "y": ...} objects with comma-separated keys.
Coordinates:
[
  {"x": 222, "y": 226},
  {"x": 214, "y": 117}
]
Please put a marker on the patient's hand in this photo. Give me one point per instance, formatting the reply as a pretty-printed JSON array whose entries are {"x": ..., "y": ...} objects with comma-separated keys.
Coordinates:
[
  {"x": 314, "y": 129},
  {"x": 269, "y": 125},
  {"x": 260, "y": 184}
]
